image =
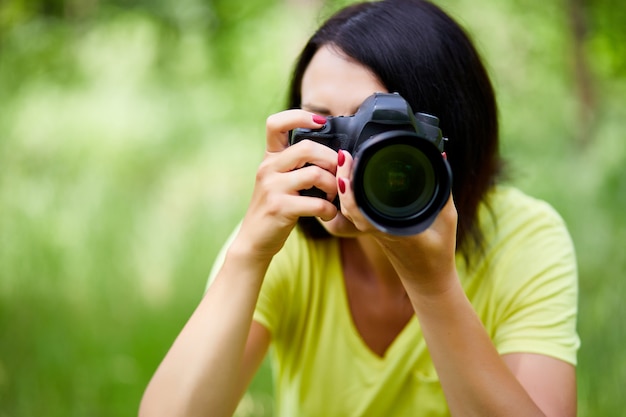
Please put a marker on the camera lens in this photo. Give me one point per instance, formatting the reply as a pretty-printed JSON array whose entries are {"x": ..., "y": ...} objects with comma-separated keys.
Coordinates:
[{"x": 400, "y": 181}]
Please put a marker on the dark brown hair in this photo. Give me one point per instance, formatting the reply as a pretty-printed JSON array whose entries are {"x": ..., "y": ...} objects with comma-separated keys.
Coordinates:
[{"x": 417, "y": 50}]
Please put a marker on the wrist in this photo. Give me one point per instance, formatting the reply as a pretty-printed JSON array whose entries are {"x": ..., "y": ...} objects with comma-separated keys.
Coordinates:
[
  {"x": 242, "y": 253},
  {"x": 436, "y": 282},
  {"x": 422, "y": 270}
]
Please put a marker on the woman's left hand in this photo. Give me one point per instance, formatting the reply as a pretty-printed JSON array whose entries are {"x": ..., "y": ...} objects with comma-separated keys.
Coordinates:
[{"x": 425, "y": 261}]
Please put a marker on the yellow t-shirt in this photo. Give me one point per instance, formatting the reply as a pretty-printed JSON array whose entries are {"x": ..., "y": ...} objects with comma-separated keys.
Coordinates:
[{"x": 524, "y": 289}]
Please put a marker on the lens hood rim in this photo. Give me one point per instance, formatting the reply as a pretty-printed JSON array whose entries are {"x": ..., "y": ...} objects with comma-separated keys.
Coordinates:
[{"x": 420, "y": 221}]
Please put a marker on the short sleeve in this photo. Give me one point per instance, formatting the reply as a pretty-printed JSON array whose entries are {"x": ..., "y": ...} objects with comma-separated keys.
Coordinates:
[
  {"x": 537, "y": 287},
  {"x": 275, "y": 295}
]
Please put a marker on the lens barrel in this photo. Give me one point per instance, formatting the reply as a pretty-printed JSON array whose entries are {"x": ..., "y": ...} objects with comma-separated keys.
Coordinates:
[{"x": 401, "y": 182}]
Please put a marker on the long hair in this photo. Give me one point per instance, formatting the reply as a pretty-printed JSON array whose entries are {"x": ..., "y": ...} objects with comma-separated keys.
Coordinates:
[{"x": 417, "y": 50}]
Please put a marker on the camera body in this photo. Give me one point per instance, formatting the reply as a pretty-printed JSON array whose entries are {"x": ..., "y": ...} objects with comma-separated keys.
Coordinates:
[{"x": 400, "y": 179}]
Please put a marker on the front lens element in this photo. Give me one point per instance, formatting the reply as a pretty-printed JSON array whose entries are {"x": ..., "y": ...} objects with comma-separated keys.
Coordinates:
[{"x": 399, "y": 181}]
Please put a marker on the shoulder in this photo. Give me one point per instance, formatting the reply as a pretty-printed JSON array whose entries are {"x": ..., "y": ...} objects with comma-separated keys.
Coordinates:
[
  {"x": 527, "y": 245},
  {"x": 530, "y": 267},
  {"x": 509, "y": 210},
  {"x": 529, "y": 250},
  {"x": 517, "y": 224}
]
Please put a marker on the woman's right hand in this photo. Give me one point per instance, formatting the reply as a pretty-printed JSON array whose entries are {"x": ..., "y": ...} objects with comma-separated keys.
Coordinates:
[
  {"x": 214, "y": 357},
  {"x": 276, "y": 202}
]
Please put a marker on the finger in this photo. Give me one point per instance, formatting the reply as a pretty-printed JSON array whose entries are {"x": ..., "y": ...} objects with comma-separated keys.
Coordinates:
[
  {"x": 449, "y": 211},
  {"x": 344, "y": 164},
  {"x": 303, "y": 206},
  {"x": 344, "y": 184},
  {"x": 307, "y": 152},
  {"x": 277, "y": 127},
  {"x": 309, "y": 177}
]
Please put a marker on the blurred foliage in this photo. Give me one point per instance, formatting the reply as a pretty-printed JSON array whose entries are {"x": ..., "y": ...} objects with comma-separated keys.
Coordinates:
[{"x": 130, "y": 132}]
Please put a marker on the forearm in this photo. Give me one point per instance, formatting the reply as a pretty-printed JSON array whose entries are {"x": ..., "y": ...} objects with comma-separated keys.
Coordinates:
[
  {"x": 474, "y": 378},
  {"x": 201, "y": 371}
]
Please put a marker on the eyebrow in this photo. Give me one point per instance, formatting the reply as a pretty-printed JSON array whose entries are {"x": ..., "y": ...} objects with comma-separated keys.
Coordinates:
[
  {"x": 315, "y": 109},
  {"x": 322, "y": 111}
]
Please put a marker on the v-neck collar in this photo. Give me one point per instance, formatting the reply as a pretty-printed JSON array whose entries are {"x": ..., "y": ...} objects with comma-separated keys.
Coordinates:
[{"x": 410, "y": 330}]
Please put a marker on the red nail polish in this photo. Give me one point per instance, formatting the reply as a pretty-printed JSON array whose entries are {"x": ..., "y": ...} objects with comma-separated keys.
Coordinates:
[
  {"x": 341, "y": 158},
  {"x": 342, "y": 185},
  {"x": 320, "y": 120}
]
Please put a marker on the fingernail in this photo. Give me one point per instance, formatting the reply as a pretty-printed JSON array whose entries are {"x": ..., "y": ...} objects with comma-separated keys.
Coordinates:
[
  {"x": 341, "y": 158},
  {"x": 444, "y": 155},
  {"x": 342, "y": 185},
  {"x": 320, "y": 120}
]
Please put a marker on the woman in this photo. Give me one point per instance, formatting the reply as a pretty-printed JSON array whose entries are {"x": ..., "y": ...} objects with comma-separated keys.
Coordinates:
[{"x": 474, "y": 316}]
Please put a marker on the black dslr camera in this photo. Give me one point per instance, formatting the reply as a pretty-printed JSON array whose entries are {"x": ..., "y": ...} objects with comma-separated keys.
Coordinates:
[{"x": 400, "y": 180}]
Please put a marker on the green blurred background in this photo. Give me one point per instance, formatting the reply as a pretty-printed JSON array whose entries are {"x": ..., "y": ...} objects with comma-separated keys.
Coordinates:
[{"x": 130, "y": 132}]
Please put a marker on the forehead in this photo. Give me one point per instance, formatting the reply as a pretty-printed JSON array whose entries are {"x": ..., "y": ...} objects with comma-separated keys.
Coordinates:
[{"x": 337, "y": 84}]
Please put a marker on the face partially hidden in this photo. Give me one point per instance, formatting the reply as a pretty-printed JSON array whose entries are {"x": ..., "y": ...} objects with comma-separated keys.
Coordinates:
[{"x": 335, "y": 85}]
